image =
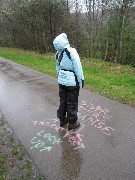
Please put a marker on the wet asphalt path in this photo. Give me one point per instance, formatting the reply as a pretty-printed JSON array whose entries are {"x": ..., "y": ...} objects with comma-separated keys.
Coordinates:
[{"x": 103, "y": 148}]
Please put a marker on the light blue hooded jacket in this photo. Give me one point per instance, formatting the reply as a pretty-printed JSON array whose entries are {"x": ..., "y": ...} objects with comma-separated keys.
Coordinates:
[{"x": 67, "y": 69}]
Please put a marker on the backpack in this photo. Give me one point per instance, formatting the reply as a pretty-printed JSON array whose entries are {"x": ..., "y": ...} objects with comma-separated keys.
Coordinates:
[{"x": 69, "y": 56}]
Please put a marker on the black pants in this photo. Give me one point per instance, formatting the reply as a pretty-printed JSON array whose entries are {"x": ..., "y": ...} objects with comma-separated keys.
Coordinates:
[{"x": 68, "y": 103}]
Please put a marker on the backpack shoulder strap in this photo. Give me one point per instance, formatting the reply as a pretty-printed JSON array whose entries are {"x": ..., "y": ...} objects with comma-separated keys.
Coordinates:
[
  {"x": 61, "y": 56},
  {"x": 68, "y": 53},
  {"x": 57, "y": 55}
]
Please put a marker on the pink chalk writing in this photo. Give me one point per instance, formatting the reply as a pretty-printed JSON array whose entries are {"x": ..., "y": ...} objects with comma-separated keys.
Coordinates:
[
  {"x": 95, "y": 116},
  {"x": 75, "y": 139},
  {"x": 88, "y": 114}
]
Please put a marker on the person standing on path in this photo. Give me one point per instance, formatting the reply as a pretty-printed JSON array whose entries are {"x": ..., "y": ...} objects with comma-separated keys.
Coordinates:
[{"x": 70, "y": 79}]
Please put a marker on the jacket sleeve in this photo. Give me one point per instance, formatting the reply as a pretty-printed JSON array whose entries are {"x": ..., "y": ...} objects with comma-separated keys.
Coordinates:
[{"x": 77, "y": 67}]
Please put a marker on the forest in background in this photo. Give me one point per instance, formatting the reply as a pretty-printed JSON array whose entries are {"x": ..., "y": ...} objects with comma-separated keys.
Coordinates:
[{"x": 102, "y": 29}]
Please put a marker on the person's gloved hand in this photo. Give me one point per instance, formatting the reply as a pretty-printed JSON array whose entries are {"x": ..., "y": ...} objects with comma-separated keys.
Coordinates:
[{"x": 82, "y": 83}]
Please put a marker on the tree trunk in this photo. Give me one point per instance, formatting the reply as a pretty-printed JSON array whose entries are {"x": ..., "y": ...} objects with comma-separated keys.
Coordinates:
[
  {"x": 107, "y": 42},
  {"x": 119, "y": 35}
]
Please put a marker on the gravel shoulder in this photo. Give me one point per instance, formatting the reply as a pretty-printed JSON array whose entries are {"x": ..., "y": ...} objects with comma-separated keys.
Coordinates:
[{"x": 15, "y": 163}]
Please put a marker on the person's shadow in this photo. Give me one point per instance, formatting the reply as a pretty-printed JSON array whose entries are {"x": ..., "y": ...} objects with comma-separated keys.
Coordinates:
[{"x": 71, "y": 159}]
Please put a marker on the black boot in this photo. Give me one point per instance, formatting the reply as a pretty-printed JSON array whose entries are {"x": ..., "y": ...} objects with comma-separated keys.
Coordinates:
[
  {"x": 74, "y": 125},
  {"x": 63, "y": 123}
]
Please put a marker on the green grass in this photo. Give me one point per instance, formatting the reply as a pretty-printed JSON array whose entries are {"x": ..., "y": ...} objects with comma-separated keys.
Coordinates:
[
  {"x": 30, "y": 59},
  {"x": 18, "y": 151},
  {"x": 2, "y": 174},
  {"x": 2, "y": 158},
  {"x": 108, "y": 79},
  {"x": 2, "y": 122},
  {"x": 2, "y": 170},
  {"x": 15, "y": 163},
  {"x": 111, "y": 80},
  {"x": 28, "y": 167}
]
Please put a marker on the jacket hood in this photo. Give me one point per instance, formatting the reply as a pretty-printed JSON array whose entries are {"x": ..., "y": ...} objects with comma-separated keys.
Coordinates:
[{"x": 61, "y": 42}]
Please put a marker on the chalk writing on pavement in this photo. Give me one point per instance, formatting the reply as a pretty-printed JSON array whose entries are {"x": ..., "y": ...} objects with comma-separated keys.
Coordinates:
[
  {"x": 95, "y": 116},
  {"x": 37, "y": 143},
  {"x": 75, "y": 138},
  {"x": 88, "y": 115}
]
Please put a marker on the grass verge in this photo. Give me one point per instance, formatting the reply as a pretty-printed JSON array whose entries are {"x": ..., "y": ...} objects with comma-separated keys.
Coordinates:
[
  {"x": 112, "y": 80},
  {"x": 15, "y": 163}
]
